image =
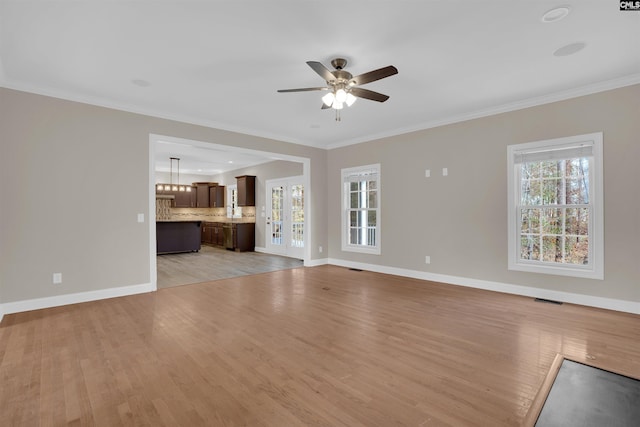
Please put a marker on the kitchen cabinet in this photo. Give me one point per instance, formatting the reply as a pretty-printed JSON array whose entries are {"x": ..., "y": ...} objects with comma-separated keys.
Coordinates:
[
  {"x": 183, "y": 199},
  {"x": 194, "y": 196},
  {"x": 202, "y": 194},
  {"x": 218, "y": 234},
  {"x": 240, "y": 237},
  {"x": 246, "y": 185},
  {"x": 213, "y": 233},
  {"x": 216, "y": 196},
  {"x": 207, "y": 233}
]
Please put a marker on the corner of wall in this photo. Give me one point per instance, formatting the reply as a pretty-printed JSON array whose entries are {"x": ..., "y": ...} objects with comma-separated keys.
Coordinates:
[{"x": 316, "y": 262}]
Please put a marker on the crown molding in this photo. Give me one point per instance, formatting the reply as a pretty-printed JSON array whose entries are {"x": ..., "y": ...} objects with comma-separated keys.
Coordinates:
[
  {"x": 603, "y": 86},
  {"x": 101, "y": 102},
  {"x": 577, "y": 92}
]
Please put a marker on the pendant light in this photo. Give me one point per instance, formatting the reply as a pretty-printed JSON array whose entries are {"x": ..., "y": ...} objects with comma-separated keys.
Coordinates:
[{"x": 171, "y": 186}]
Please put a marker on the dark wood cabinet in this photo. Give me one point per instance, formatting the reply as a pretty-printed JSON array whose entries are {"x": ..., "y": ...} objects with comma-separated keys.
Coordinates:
[
  {"x": 202, "y": 196},
  {"x": 244, "y": 237},
  {"x": 216, "y": 196},
  {"x": 182, "y": 199},
  {"x": 193, "y": 194},
  {"x": 218, "y": 234},
  {"x": 213, "y": 233},
  {"x": 246, "y": 190},
  {"x": 207, "y": 233}
]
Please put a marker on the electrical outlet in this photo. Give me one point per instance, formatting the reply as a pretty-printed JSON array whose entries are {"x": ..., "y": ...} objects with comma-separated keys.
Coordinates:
[
  {"x": 320, "y": 249},
  {"x": 140, "y": 217},
  {"x": 445, "y": 171},
  {"x": 427, "y": 259},
  {"x": 427, "y": 173},
  {"x": 57, "y": 278}
]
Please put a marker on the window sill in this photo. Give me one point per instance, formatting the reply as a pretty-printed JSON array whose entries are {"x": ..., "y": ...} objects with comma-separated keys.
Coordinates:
[
  {"x": 584, "y": 273},
  {"x": 362, "y": 250}
]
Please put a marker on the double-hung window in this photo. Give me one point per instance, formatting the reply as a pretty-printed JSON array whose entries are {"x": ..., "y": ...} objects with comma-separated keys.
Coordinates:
[
  {"x": 361, "y": 209},
  {"x": 556, "y": 206}
]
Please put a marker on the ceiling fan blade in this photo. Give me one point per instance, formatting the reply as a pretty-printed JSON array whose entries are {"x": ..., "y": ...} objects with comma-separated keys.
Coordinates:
[
  {"x": 324, "y": 106},
  {"x": 321, "y": 70},
  {"x": 374, "y": 75},
  {"x": 368, "y": 94},
  {"x": 304, "y": 89}
]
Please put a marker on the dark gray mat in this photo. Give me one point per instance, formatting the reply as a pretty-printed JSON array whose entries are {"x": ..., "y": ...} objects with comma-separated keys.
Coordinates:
[{"x": 585, "y": 396}]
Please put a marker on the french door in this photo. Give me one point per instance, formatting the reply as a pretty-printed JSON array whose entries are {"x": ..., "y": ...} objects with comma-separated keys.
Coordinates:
[{"x": 285, "y": 217}]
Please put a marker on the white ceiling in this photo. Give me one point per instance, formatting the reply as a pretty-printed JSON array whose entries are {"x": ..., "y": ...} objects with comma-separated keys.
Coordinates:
[
  {"x": 219, "y": 63},
  {"x": 196, "y": 158}
]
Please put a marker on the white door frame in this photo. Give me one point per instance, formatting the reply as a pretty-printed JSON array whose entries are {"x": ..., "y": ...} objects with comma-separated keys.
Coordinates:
[
  {"x": 285, "y": 248},
  {"x": 155, "y": 138}
]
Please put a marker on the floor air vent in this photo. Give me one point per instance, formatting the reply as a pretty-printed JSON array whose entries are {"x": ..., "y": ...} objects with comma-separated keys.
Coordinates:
[
  {"x": 355, "y": 269},
  {"x": 548, "y": 301}
]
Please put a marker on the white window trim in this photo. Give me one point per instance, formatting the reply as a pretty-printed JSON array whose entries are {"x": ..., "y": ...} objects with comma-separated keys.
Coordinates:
[
  {"x": 346, "y": 246},
  {"x": 596, "y": 237}
]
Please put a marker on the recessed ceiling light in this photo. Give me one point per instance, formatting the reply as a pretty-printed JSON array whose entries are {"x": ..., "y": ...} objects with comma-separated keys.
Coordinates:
[
  {"x": 570, "y": 49},
  {"x": 140, "y": 82},
  {"x": 556, "y": 14}
]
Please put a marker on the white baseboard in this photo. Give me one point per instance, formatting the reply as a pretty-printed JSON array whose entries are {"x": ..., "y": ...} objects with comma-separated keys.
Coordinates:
[
  {"x": 581, "y": 299},
  {"x": 261, "y": 249},
  {"x": 58, "y": 300},
  {"x": 316, "y": 262},
  {"x": 593, "y": 301}
]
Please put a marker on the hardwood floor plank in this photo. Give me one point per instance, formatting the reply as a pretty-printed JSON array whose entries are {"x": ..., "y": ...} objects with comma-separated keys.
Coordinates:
[{"x": 321, "y": 346}]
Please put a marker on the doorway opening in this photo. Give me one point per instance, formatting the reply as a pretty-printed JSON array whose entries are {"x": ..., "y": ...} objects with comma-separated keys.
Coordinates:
[{"x": 182, "y": 147}]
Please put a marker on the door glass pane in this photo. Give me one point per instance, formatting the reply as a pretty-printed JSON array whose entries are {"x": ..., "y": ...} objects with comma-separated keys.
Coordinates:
[
  {"x": 277, "y": 194},
  {"x": 297, "y": 216}
]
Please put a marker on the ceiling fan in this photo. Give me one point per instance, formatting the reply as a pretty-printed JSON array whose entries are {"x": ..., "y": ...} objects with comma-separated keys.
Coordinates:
[{"x": 343, "y": 88}]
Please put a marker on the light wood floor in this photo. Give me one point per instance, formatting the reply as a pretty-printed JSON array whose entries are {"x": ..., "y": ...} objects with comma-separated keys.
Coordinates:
[
  {"x": 213, "y": 263},
  {"x": 321, "y": 346}
]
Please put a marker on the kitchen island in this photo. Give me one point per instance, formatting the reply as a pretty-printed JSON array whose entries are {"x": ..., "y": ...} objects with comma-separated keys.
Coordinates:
[{"x": 177, "y": 236}]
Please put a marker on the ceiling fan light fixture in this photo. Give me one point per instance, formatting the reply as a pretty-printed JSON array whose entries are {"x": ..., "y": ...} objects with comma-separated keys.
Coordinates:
[
  {"x": 328, "y": 99},
  {"x": 556, "y": 14},
  {"x": 341, "y": 84}
]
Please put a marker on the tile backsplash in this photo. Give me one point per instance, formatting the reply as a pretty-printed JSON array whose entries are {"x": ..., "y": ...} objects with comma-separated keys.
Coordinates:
[{"x": 164, "y": 212}]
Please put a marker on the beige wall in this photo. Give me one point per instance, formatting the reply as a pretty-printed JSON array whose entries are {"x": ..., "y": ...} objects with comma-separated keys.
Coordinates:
[
  {"x": 460, "y": 220},
  {"x": 73, "y": 178},
  {"x": 81, "y": 220}
]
